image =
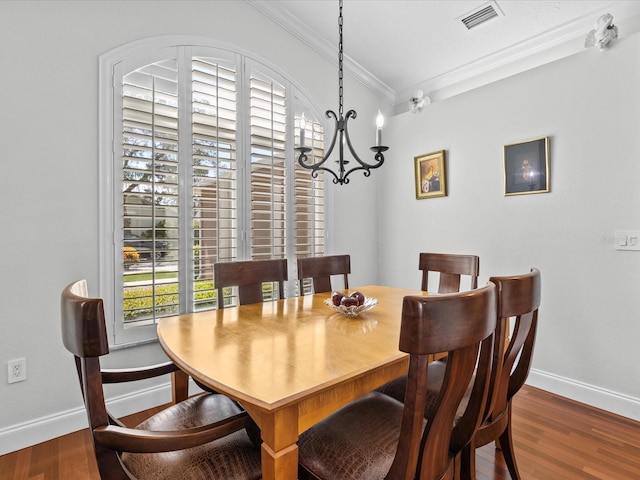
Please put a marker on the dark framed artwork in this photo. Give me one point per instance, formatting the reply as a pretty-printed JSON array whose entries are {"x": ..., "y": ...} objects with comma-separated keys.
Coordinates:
[
  {"x": 526, "y": 167},
  {"x": 430, "y": 175}
]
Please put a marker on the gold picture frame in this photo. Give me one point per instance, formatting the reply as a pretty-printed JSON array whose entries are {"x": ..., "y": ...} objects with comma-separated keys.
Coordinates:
[
  {"x": 526, "y": 167},
  {"x": 430, "y": 175}
]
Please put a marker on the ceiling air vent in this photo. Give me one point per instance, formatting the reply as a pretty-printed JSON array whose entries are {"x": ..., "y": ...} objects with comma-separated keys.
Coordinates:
[{"x": 481, "y": 15}]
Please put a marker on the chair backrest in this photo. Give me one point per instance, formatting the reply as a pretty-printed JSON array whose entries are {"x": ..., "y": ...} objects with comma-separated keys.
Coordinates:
[
  {"x": 518, "y": 300},
  {"x": 249, "y": 276},
  {"x": 461, "y": 324},
  {"x": 84, "y": 331},
  {"x": 320, "y": 270},
  {"x": 84, "y": 334},
  {"x": 450, "y": 267}
]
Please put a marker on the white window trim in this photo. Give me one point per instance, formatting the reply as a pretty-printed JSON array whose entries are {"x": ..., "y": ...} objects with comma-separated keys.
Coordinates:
[{"x": 107, "y": 228}]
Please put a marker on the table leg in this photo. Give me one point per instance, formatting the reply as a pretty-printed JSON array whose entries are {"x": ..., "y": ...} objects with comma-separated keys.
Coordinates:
[
  {"x": 281, "y": 465},
  {"x": 179, "y": 386},
  {"x": 279, "y": 432}
]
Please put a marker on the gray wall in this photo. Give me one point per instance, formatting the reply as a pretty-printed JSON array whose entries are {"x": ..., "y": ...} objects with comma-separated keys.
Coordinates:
[
  {"x": 49, "y": 196},
  {"x": 589, "y": 104}
]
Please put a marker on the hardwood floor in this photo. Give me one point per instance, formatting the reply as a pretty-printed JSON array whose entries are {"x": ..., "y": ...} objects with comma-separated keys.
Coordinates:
[{"x": 555, "y": 439}]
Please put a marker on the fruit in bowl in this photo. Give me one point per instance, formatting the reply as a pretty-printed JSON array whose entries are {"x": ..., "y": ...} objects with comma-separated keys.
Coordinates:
[
  {"x": 349, "y": 302},
  {"x": 358, "y": 296},
  {"x": 350, "y": 305},
  {"x": 336, "y": 298}
]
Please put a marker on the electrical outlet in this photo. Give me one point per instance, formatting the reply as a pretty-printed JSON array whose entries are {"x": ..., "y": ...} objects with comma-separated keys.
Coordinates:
[{"x": 17, "y": 370}]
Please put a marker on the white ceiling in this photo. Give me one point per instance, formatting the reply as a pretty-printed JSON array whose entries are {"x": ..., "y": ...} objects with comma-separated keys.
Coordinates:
[{"x": 400, "y": 46}]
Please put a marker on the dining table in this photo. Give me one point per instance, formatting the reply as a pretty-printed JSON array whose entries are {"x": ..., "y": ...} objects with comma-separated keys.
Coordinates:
[{"x": 292, "y": 362}]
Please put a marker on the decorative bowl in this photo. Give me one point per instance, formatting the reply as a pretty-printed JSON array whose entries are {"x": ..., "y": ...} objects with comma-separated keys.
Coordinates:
[{"x": 353, "y": 311}]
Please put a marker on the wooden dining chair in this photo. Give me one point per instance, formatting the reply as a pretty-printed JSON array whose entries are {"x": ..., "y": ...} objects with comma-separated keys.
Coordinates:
[
  {"x": 249, "y": 276},
  {"x": 450, "y": 267},
  {"x": 200, "y": 437},
  {"x": 321, "y": 269},
  {"x": 376, "y": 437},
  {"x": 518, "y": 299}
]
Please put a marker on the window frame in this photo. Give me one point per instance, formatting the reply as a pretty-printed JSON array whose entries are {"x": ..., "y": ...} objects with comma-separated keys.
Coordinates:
[{"x": 112, "y": 65}]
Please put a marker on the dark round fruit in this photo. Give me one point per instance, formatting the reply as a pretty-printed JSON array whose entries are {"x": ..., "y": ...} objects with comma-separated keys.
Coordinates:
[
  {"x": 358, "y": 296},
  {"x": 349, "y": 302},
  {"x": 336, "y": 297}
]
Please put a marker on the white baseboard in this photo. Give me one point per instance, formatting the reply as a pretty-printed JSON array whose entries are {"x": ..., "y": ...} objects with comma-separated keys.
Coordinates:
[
  {"x": 26, "y": 434},
  {"x": 613, "y": 402}
]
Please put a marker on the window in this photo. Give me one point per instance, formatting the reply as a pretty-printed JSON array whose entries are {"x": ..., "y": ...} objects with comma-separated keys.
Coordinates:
[{"x": 202, "y": 168}]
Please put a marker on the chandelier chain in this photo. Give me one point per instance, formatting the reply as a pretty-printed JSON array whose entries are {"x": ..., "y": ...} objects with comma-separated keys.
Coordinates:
[
  {"x": 341, "y": 134},
  {"x": 340, "y": 56}
]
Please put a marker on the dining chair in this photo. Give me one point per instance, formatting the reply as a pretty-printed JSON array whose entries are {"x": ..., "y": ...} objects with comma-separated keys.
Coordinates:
[
  {"x": 200, "y": 437},
  {"x": 249, "y": 277},
  {"x": 518, "y": 300},
  {"x": 321, "y": 269},
  {"x": 450, "y": 267},
  {"x": 376, "y": 437}
]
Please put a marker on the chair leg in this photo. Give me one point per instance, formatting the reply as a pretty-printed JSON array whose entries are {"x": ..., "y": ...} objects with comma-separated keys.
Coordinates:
[
  {"x": 467, "y": 462},
  {"x": 457, "y": 467},
  {"x": 506, "y": 444}
]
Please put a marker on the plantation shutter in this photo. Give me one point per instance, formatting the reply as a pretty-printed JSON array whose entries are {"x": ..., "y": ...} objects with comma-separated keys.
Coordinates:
[
  {"x": 214, "y": 100},
  {"x": 309, "y": 216},
  {"x": 309, "y": 193},
  {"x": 150, "y": 191},
  {"x": 268, "y": 179},
  {"x": 204, "y": 171}
]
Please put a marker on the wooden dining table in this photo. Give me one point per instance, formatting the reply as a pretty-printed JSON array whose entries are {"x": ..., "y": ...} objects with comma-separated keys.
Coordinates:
[{"x": 291, "y": 362}]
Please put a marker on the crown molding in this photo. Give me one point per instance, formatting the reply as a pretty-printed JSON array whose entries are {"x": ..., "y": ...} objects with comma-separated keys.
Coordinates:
[
  {"x": 548, "y": 47},
  {"x": 551, "y": 45}
]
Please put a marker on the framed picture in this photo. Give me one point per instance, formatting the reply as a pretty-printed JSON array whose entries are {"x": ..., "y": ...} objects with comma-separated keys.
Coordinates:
[
  {"x": 430, "y": 175},
  {"x": 526, "y": 167}
]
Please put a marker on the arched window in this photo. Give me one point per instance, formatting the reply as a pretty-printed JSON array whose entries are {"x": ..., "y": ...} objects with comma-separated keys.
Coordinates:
[{"x": 197, "y": 166}]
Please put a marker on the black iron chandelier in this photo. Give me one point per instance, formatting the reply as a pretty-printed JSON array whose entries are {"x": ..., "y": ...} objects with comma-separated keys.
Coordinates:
[{"x": 341, "y": 131}]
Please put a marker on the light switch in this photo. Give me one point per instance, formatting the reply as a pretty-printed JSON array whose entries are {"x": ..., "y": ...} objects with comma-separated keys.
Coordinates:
[{"x": 627, "y": 240}]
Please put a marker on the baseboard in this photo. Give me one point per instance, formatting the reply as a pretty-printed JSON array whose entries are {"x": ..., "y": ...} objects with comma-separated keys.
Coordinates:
[
  {"x": 613, "y": 402},
  {"x": 16, "y": 437},
  {"x": 26, "y": 434}
]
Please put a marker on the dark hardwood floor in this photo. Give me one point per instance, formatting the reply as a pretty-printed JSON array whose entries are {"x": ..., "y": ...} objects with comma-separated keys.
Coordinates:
[{"x": 555, "y": 439}]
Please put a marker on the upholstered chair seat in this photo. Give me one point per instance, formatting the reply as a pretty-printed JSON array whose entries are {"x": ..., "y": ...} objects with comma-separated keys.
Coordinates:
[
  {"x": 241, "y": 456},
  {"x": 363, "y": 436}
]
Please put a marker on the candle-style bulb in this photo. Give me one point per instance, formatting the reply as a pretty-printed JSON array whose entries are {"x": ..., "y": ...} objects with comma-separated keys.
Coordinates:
[
  {"x": 379, "y": 124},
  {"x": 303, "y": 131}
]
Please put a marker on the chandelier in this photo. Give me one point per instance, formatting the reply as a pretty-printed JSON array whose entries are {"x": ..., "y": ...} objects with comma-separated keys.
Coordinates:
[{"x": 342, "y": 134}]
